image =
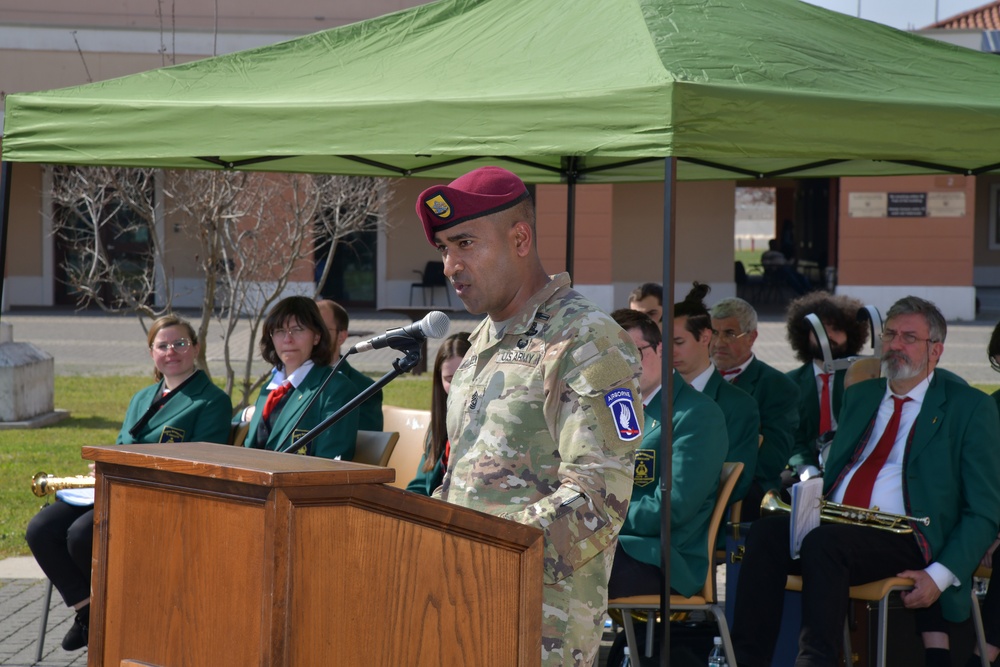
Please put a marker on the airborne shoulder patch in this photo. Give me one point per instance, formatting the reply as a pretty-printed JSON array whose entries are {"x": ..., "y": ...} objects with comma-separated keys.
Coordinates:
[
  {"x": 439, "y": 206},
  {"x": 619, "y": 402}
]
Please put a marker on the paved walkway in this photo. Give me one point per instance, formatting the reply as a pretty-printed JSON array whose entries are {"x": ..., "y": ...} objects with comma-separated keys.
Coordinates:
[{"x": 94, "y": 343}]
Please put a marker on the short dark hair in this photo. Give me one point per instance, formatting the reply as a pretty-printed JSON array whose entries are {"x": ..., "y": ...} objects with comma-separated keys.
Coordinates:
[
  {"x": 340, "y": 316},
  {"x": 693, "y": 308},
  {"x": 647, "y": 289},
  {"x": 634, "y": 319},
  {"x": 306, "y": 313},
  {"x": 834, "y": 310}
]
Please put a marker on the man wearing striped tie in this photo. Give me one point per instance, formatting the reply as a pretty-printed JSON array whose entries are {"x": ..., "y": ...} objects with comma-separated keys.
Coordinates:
[{"x": 912, "y": 443}]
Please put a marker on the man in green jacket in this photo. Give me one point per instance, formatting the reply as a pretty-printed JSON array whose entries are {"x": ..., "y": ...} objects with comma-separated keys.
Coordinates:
[
  {"x": 700, "y": 445},
  {"x": 337, "y": 321},
  {"x": 734, "y": 331},
  {"x": 914, "y": 443},
  {"x": 820, "y": 393}
]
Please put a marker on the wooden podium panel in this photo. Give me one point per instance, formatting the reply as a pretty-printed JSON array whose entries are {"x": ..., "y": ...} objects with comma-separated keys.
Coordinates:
[{"x": 209, "y": 554}]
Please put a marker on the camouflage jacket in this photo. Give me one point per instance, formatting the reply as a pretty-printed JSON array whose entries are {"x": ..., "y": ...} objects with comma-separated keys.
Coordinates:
[{"x": 544, "y": 422}]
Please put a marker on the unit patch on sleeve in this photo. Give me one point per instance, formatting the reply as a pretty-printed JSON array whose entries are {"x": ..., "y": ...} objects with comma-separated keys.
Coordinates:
[
  {"x": 619, "y": 402},
  {"x": 645, "y": 466},
  {"x": 172, "y": 434}
]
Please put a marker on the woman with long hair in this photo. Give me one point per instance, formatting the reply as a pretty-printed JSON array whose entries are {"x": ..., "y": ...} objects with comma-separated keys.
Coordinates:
[{"x": 434, "y": 461}]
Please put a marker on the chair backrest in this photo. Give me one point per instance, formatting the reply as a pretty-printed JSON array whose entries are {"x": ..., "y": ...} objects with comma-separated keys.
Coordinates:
[
  {"x": 727, "y": 482},
  {"x": 238, "y": 433},
  {"x": 434, "y": 274},
  {"x": 741, "y": 273},
  {"x": 412, "y": 428},
  {"x": 374, "y": 447}
]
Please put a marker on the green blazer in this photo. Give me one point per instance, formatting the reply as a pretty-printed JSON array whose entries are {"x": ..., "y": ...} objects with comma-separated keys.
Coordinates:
[
  {"x": 804, "y": 447},
  {"x": 198, "y": 412},
  {"x": 425, "y": 482},
  {"x": 369, "y": 412},
  {"x": 338, "y": 440},
  {"x": 742, "y": 425},
  {"x": 700, "y": 444},
  {"x": 778, "y": 400},
  {"x": 950, "y": 472}
]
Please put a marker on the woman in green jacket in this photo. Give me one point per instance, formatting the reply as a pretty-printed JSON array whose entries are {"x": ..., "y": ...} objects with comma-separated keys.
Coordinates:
[
  {"x": 297, "y": 343},
  {"x": 434, "y": 460},
  {"x": 182, "y": 406}
]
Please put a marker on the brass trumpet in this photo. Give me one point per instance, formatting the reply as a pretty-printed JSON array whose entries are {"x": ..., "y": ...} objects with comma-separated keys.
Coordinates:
[
  {"x": 831, "y": 512},
  {"x": 43, "y": 484}
]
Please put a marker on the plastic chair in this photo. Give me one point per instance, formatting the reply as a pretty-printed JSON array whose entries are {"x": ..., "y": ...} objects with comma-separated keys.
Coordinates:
[
  {"x": 374, "y": 447},
  {"x": 431, "y": 278},
  {"x": 412, "y": 428},
  {"x": 706, "y": 600}
]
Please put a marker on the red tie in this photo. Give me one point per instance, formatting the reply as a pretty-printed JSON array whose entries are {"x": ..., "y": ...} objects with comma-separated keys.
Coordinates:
[
  {"x": 859, "y": 491},
  {"x": 825, "y": 422},
  {"x": 731, "y": 374},
  {"x": 274, "y": 398}
]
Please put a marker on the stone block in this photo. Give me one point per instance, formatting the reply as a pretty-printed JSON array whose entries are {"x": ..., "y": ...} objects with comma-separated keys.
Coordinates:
[{"x": 27, "y": 382}]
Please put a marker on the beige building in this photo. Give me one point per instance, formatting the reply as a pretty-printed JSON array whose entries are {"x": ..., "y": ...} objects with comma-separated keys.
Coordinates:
[{"x": 619, "y": 229}]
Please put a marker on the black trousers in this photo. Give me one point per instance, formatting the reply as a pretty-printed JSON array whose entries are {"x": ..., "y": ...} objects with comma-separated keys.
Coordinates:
[
  {"x": 633, "y": 577},
  {"x": 833, "y": 558},
  {"x": 61, "y": 538}
]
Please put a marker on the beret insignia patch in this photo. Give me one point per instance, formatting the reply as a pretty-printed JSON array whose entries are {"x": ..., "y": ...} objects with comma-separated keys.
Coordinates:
[{"x": 439, "y": 206}]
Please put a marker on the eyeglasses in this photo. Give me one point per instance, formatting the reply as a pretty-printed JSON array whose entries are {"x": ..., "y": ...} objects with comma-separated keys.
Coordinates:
[
  {"x": 181, "y": 345},
  {"x": 294, "y": 332},
  {"x": 643, "y": 348},
  {"x": 728, "y": 336},
  {"x": 907, "y": 337}
]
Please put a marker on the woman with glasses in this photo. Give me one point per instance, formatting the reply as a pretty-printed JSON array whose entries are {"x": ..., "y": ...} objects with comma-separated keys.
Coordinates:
[
  {"x": 298, "y": 397},
  {"x": 182, "y": 406}
]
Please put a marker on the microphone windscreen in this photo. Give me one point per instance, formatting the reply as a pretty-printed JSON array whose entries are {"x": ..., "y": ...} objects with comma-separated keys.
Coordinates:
[{"x": 435, "y": 324}]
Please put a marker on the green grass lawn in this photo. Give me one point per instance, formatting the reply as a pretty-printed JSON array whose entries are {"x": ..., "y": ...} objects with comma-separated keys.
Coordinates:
[{"x": 96, "y": 406}]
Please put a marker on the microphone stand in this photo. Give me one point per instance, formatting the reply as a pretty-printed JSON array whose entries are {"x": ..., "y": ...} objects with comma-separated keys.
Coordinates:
[{"x": 399, "y": 366}]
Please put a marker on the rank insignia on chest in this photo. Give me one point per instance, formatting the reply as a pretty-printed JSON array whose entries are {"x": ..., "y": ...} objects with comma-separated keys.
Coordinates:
[
  {"x": 619, "y": 402},
  {"x": 645, "y": 467},
  {"x": 172, "y": 434}
]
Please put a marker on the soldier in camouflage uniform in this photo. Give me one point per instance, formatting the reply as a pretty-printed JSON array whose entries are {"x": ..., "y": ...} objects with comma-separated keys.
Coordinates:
[{"x": 544, "y": 413}]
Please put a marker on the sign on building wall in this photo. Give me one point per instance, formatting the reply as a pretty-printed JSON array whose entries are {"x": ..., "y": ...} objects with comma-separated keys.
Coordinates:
[{"x": 906, "y": 204}]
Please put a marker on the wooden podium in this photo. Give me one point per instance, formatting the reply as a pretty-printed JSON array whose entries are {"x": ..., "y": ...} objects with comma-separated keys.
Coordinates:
[{"x": 215, "y": 555}]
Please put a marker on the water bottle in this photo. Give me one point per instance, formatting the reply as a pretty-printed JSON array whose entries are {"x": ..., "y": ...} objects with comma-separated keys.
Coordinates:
[{"x": 717, "y": 658}]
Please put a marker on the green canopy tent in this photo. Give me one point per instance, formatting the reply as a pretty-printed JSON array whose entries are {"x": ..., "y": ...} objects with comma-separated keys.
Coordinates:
[{"x": 559, "y": 91}]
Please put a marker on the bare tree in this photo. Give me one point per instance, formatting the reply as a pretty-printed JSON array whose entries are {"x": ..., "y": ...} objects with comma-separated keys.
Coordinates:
[
  {"x": 96, "y": 210},
  {"x": 257, "y": 237}
]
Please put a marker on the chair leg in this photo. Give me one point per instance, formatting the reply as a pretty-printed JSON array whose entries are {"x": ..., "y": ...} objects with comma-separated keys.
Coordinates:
[
  {"x": 727, "y": 641},
  {"x": 883, "y": 627},
  {"x": 43, "y": 621},
  {"x": 412, "y": 287},
  {"x": 977, "y": 621},
  {"x": 633, "y": 645},
  {"x": 650, "y": 633},
  {"x": 848, "y": 649}
]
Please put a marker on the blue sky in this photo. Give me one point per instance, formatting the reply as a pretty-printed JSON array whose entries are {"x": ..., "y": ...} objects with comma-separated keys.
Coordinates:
[{"x": 902, "y": 14}]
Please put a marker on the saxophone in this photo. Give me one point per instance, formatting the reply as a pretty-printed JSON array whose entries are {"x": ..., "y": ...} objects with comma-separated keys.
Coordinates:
[{"x": 43, "y": 484}]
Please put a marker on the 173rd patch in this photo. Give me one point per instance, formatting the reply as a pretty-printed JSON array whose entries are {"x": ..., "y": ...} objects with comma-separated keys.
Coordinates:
[{"x": 619, "y": 402}]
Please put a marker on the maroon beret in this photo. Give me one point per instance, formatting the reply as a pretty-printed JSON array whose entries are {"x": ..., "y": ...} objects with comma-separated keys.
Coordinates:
[{"x": 481, "y": 192}]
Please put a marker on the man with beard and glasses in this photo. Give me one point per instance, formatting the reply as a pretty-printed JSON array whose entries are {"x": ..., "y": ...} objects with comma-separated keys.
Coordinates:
[
  {"x": 911, "y": 443},
  {"x": 820, "y": 393}
]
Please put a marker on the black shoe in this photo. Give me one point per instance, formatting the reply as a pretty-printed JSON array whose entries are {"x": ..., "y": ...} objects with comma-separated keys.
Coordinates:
[{"x": 77, "y": 636}]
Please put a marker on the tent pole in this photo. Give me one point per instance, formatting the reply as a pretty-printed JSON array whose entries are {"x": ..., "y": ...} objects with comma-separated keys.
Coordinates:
[
  {"x": 571, "y": 175},
  {"x": 6, "y": 169},
  {"x": 667, "y": 396}
]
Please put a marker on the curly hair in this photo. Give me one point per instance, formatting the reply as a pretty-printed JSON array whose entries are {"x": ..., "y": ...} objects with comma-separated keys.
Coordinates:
[{"x": 835, "y": 311}]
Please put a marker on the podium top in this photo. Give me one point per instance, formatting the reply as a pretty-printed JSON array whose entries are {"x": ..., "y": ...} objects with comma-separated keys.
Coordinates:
[{"x": 240, "y": 464}]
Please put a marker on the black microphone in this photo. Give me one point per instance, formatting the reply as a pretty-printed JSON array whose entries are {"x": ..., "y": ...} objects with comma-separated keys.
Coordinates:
[{"x": 434, "y": 325}]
